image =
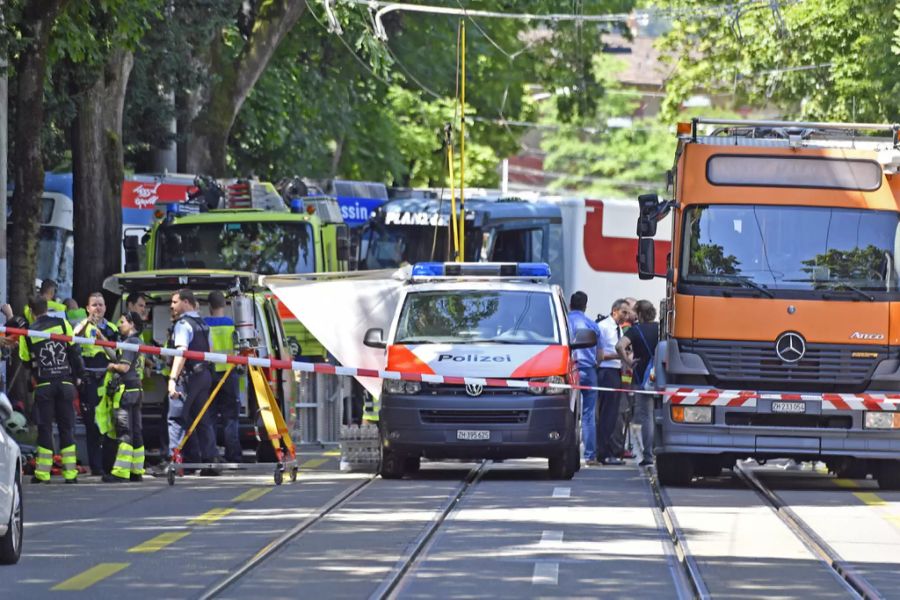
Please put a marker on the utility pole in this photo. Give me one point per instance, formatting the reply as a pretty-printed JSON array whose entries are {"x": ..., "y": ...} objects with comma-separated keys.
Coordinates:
[{"x": 3, "y": 147}]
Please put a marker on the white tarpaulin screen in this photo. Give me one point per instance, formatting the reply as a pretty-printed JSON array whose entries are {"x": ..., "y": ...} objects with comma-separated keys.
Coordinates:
[
  {"x": 786, "y": 171},
  {"x": 339, "y": 308}
]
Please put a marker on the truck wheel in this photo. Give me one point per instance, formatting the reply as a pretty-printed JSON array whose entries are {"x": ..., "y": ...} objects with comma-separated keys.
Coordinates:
[
  {"x": 392, "y": 465},
  {"x": 850, "y": 468},
  {"x": 888, "y": 475},
  {"x": 11, "y": 541},
  {"x": 674, "y": 469}
]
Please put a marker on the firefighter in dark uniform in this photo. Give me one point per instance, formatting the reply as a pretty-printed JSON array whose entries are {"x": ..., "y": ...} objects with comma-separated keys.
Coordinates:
[
  {"x": 189, "y": 383},
  {"x": 55, "y": 367},
  {"x": 129, "y": 461},
  {"x": 96, "y": 359}
]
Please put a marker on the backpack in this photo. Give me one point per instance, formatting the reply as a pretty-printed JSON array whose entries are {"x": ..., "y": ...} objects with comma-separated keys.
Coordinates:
[{"x": 646, "y": 382}]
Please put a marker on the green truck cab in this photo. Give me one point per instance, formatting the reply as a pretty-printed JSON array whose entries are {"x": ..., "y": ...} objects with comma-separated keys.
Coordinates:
[{"x": 311, "y": 237}]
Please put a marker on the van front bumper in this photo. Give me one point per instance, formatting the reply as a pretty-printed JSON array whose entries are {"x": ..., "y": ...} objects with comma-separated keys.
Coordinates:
[{"x": 494, "y": 427}]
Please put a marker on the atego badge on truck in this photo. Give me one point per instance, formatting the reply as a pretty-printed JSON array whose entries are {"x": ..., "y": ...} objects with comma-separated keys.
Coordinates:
[{"x": 782, "y": 313}]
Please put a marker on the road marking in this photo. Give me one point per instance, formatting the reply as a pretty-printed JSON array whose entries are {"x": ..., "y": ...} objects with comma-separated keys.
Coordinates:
[
  {"x": 312, "y": 464},
  {"x": 562, "y": 492},
  {"x": 252, "y": 494},
  {"x": 211, "y": 516},
  {"x": 846, "y": 483},
  {"x": 551, "y": 538},
  {"x": 895, "y": 519},
  {"x": 332, "y": 453},
  {"x": 870, "y": 498},
  {"x": 159, "y": 542},
  {"x": 545, "y": 573},
  {"x": 84, "y": 580}
]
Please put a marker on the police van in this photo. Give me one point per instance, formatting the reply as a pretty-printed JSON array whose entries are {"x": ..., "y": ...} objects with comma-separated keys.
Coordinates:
[{"x": 486, "y": 321}]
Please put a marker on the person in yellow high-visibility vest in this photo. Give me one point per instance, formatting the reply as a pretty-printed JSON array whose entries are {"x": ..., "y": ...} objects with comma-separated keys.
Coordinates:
[
  {"x": 54, "y": 308},
  {"x": 227, "y": 407},
  {"x": 56, "y": 367},
  {"x": 129, "y": 462}
]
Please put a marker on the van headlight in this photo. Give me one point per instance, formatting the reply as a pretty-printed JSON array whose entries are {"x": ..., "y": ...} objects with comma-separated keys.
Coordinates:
[
  {"x": 692, "y": 414},
  {"x": 882, "y": 420},
  {"x": 398, "y": 386},
  {"x": 552, "y": 388}
]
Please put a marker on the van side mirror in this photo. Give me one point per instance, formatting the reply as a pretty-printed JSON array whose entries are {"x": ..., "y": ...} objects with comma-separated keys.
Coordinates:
[
  {"x": 584, "y": 338},
  {"x": 649, "y": 207},
  {"x": 374, "y": 338},
  {"x": 343, "y": 243},
  {"x": 646, "y": 258}
]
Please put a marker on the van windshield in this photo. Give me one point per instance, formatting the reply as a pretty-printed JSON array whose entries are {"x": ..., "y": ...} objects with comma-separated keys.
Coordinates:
[
  {"x": 502, "y": 317},
  {"x": 791, "y": 248},
  {"x": 263, "y": 247}
]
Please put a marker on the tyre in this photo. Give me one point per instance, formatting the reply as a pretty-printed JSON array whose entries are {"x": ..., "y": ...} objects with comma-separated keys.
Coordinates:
[
  {"x": 392, "y": 465},
  {"x": 850, "y": 468},
  {"x": 412, "y": 464},
  {"x": 888, "y": 475},
  {"x": 566, "y": 463},
  {"x": 708, "y": 466},
  {"x": 674, "y": 469},
  {"x": 11, "y": 542}
]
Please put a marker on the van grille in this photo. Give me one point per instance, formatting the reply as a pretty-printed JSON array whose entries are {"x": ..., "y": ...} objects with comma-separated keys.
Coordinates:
[
  {"x": 474, "y": 417},
  {"x": 824, "y": 367}
]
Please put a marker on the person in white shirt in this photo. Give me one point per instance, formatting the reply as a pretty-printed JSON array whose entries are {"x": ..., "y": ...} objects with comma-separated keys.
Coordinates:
[{"x": 609, "y": 374}]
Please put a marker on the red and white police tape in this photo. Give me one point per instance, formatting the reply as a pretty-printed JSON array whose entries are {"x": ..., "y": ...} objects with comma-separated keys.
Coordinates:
[{"x": 677, "y": 395}]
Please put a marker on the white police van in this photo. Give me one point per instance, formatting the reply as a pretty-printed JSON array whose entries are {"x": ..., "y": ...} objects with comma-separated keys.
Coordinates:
[{"x": 480, "y": 320}]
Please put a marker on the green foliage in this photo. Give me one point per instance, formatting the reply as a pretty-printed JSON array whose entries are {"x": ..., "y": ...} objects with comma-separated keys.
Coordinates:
[
  {"x": 833, "y": 60},
  {"x": 859, "y": 264}
]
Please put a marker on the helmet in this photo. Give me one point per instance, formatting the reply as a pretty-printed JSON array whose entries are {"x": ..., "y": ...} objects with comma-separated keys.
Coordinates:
[{"x": 17, "y": 423}]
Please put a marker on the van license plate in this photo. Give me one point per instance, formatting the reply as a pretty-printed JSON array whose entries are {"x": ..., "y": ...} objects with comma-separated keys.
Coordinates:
[
  {"x": 789, "y": 407},
  {"x": 473, "y": 434}
]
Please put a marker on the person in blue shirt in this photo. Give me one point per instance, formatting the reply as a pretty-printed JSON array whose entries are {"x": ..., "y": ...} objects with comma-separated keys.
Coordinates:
[{"x": 586, "y": 361}]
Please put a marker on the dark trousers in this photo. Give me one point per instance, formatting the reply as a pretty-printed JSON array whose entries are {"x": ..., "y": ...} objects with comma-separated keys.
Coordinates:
[
  {"x": 201, "y": 446},
  {"x": 128, "y": 419},
  {"x": 227, "y": 408},
  {"x": 608, "y": 410},
  {"x": 53, "y": 401},
  {"x": 88, "y": 400}
]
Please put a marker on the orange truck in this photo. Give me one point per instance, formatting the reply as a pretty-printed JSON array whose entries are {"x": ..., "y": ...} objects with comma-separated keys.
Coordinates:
[{"x": 781, "y": 322}]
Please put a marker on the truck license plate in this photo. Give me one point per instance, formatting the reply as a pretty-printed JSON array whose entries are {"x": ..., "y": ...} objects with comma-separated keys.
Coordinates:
[
  {"x": 473, "y": 434},
  {"x": 789, "y": 407}
]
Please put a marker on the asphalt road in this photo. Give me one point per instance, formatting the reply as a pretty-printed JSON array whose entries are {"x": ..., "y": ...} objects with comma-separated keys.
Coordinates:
[{"x": 516, "y": 533}]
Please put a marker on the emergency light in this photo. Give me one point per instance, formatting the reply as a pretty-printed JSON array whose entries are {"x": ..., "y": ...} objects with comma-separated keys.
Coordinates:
[{"x": 481, "y": 269}]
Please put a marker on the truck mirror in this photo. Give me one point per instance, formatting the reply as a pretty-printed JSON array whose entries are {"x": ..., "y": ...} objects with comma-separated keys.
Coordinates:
[
  {"x": 646, "y": 258},
  {"x": 343, "y": 243},
  {"x": 649, "y": 206},
  {"x": 374, "y": 338},
  {"x": 294, "y": 347},
  {"x": 584, "y": 338},
  {"x": 132, "y": 261}
]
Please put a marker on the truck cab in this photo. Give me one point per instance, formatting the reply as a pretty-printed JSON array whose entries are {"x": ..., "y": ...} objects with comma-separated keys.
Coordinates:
[
  {"x": 781, "y": 325},
  {"x": 259, "y": 331},
  {"x": 486, "y": 322}
]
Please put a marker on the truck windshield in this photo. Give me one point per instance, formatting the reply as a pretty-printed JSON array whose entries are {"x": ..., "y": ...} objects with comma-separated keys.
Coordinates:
[
  {"x": 388, "y": 247},
  {"x": 499, "y": 317},
  {"x": 791, "y": 248},
  {"x": 264, "y": 247}
]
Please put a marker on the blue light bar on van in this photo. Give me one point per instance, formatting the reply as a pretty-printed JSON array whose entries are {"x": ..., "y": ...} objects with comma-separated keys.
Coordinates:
[{"x": 480, "y": 269}]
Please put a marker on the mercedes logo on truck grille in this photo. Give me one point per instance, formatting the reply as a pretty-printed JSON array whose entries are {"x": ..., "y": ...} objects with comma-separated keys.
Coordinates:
[
  {"x": 790, "y": 347},
  {"x": 474, "y": 389}
]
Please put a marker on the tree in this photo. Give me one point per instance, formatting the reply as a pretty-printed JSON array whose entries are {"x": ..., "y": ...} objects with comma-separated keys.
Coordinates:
[
  {"x": 833, "y": 60},
  {"x": 236, "y": 61},
  {"x": 33, "y": 20}
]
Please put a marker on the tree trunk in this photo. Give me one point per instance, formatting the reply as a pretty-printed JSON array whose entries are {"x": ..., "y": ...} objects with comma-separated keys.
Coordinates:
[
  {"x": 98, "y": 171},
  {"x": 232, "y": 81},
  {"x": 28, "y": 166}
]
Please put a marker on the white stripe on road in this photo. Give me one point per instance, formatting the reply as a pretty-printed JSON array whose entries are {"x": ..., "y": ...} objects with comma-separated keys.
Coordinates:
[
  {"x": 551, "y": 538},
  {"x": 562, "y": 492},
  {"x": 545, "y": 573}
]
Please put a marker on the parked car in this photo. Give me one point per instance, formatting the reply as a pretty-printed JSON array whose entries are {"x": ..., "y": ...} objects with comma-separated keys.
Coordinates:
[{"x": 11, "y": 519}]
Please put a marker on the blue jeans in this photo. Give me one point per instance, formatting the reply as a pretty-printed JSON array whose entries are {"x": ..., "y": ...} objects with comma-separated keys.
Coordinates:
[{"x": 588, "y": 376}]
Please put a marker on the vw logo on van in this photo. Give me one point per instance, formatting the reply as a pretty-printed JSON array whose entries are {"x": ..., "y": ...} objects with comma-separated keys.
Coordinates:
[
  {"x": 790, "y": 347},
  {"x": 474, "y": 389}
]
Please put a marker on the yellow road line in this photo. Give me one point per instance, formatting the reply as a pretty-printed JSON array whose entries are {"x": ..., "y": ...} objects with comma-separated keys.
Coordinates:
[
  {"x": 211, "y": 516},
  {"x": 84, "y": 580},
  {"x": 870, "y": 498},
  {"x": 332, "y": 453},
  {"x": 895, "y": 519},
  {"x": 159, "y": 542},
  {"x": 846, "y": 483},
  {"x": 252, "y": 494},
  {"x": 312, "y": 464}
]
